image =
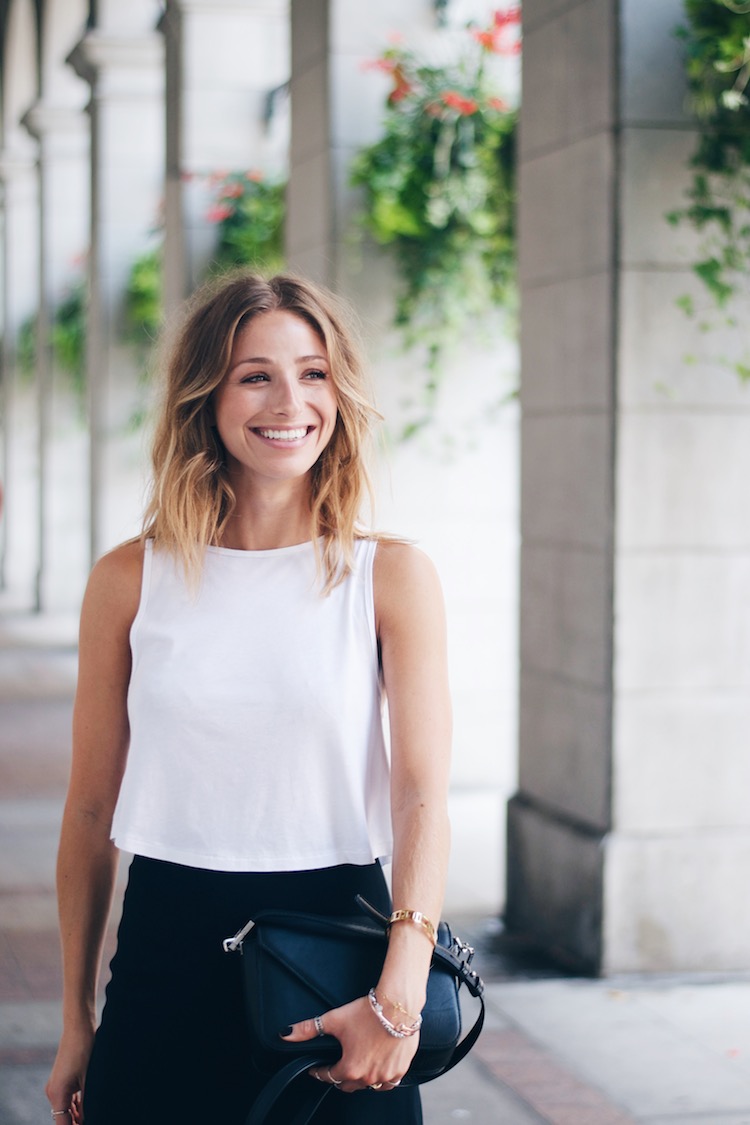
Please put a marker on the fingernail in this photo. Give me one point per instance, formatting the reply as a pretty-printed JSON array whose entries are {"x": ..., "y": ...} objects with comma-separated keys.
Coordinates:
[{"x": 286, "y": 1031}]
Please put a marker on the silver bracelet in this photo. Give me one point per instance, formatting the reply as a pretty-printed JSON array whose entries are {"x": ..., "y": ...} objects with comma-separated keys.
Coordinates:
[{"x": 397, "y": 1030}]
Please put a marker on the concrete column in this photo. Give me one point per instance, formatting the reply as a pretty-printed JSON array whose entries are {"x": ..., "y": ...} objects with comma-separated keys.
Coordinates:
[
  {"x": 122, "y": 59},
  {"x": 20, "y": 470},
  {"x": 227, "y": 64},
  {"x": 64, "y": 216},
  {"x": 455, "y": 491},
  {"x": 629, "y": 837}
]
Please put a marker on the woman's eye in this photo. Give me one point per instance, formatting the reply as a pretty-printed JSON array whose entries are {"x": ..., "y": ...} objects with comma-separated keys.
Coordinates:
[
  {"x": 316, "y": 375},
  {"x": 256, "y": 377}
]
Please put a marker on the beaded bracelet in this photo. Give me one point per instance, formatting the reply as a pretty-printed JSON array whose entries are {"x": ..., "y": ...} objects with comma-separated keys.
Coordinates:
[
  {"x": 415, "y": 916},
  {"x": 397, "y": 1030}
]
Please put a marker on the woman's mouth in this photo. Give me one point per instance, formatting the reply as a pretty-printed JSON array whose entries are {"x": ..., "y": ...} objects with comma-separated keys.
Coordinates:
[{"x": 284, "y": 435}]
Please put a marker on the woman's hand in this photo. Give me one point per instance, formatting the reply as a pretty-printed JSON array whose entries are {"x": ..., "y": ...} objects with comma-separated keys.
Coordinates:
[
  {"x": 371, "y": 1058},
  {"x": 64, "y": 1087}
]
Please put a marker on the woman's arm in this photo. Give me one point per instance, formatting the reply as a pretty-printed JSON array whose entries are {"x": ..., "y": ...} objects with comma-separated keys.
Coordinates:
[
  {"x": 87, "y": 858},
  {"x": 410, "y": 621},
  {"x": 412, "y": 632}
]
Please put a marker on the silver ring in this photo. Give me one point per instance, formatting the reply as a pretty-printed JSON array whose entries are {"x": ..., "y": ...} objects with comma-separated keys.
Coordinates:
[
  {"x": 393, "y": 1085},
  {"x": 318, "y": 1021},
  {"x": 316, "y": 1075},
  {"x": 334, "y": 1081}
]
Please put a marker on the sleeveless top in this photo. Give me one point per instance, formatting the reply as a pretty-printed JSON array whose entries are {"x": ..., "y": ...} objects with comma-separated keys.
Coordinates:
[{"x": 256, "y": 737}]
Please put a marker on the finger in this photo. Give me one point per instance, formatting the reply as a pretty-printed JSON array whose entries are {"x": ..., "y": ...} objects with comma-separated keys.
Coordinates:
[{"x": 306, "y": 1029}]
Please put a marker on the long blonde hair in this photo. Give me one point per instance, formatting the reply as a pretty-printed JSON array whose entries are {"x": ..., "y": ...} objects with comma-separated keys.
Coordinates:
[{"x": 191, "y": 498}]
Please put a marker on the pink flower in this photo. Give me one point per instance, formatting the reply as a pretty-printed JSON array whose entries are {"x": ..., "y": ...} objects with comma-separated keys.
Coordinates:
[
  {"x": 254, "y": 176},
  {"x": 399, "y": 92},
  {"x": 495, "y": 39},
  {"x": 454, "y": 100},
  {"x": 386, "y": 65},
  {"x": 231, "y": 191},
  {"x": 218, "y": 213},
  {"x": 498, "y": 104},
  {"x": 509, "y": 16}
]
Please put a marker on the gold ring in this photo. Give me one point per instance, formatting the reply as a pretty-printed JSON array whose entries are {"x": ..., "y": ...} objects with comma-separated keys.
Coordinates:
[
  {"x": 376, "y": 1086},
  {"x": 335, "y": 1081}
]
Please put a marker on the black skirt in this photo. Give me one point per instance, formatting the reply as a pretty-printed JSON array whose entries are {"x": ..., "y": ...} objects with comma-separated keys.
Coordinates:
[{"x": 173, "y": 1047}]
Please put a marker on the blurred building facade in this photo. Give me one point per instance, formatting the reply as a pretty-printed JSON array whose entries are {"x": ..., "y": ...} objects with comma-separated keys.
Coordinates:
[{"x": 627, "y": 833}]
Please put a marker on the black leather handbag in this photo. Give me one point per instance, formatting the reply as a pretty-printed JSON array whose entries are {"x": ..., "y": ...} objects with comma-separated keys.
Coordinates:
[{"x": 297, "y": 966}]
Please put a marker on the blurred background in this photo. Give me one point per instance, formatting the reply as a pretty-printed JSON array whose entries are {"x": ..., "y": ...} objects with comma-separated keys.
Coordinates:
[{"x": 542, "y": 218}]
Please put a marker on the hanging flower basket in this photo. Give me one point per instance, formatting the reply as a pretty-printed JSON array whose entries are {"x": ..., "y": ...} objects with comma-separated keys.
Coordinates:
[
  {"x": 716, "y": 39},
  {"x": 439, "y": 187}
]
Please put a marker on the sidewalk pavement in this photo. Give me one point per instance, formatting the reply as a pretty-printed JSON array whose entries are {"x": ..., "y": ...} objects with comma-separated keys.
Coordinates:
[{"x": 557, "y": 1050}]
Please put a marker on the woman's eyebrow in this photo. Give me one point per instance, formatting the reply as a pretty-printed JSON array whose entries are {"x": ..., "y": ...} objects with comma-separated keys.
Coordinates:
[{"x": 267, "y": 359}]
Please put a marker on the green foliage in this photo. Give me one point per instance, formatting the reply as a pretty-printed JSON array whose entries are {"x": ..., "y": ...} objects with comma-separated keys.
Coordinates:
[
  {"x": 249, "y": 213},
  {"x": 67, "y": 337},
  {"x": 439, "y": 190},
  {"x": 26, "y": 346},
  {"x": 143, "y": 298},
  {"x": 717, "y": 49}
]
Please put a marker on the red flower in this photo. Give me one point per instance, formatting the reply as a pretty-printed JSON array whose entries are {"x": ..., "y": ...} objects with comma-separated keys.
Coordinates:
[
  {"x": 463, "y": 105},
  {"x": 399, "y": 92},
  {"x": 231, "y": 191},
  {"x": 486, "y": 38},
  {"x": 494, "y": 38},
  {"x": 509, "y": 16},
  {"x": 498, "y": 104},
  {"x": 219, "y": 213}
]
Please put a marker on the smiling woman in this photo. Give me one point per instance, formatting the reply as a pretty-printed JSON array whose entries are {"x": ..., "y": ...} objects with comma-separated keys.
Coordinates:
[
  {"x": 275, "y": 412},
  {"x": 228, "y": 730}
]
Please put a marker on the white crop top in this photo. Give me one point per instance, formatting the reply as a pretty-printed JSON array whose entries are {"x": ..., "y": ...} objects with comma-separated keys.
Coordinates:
[{"x": 256, "y": 739}]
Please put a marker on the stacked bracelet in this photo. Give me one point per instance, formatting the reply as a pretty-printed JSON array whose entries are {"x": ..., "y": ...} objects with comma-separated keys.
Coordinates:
[
  {"x": 397, "y": 1030},
  {"x": 398, "y": 1007},
  {"x": 415, "y": 916}
]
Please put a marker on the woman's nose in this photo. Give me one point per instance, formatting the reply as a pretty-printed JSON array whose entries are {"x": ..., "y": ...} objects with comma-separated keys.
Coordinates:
[{"x": 286, "y": 397}]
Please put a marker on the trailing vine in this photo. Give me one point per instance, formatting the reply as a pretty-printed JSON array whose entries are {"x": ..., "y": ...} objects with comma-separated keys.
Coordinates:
[
  {"x": 67, "y": 336},
  {"x": 716, "y": 40},
  {"x": 439, "y": 189}
]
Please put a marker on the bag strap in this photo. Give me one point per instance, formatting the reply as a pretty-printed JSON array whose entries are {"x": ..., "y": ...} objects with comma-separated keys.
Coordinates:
[
  {"x": 276, "y": 1086},
  {"x": 293, "y": 1070}
]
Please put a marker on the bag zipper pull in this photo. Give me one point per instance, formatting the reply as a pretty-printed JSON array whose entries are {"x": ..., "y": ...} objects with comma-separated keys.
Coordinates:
[{"x": 231, "y": 944}]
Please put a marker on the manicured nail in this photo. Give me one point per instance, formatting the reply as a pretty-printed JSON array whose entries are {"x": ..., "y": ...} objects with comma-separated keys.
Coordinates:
[{"x": 286, "y": 1031}]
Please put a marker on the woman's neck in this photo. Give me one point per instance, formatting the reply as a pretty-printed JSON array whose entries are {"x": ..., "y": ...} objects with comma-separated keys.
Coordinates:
[{"x": 269, "y": 518}]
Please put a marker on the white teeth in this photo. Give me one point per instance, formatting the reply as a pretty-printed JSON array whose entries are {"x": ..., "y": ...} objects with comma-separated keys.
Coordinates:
[{"x": 283, "y": 435}]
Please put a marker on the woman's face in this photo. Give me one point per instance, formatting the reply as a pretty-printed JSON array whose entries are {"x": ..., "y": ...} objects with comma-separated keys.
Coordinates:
[{"x": 276, "y": 407}]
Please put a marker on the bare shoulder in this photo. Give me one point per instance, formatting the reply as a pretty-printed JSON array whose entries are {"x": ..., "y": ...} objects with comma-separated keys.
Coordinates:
[
  {"x": 405, "y": 581},
  {"x": 114, "y": 587}
]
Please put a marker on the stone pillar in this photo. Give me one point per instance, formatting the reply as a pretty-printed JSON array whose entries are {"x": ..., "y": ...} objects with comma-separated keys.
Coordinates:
[
  {"x": 629, "y": 837},
  {"x": 64, "y": 215},
  {"x": 224, "y": 61},
  {"x": 462, "y": 509},
  {"x": 20, "y": 470},
  {"x": 122, "y": 59}
]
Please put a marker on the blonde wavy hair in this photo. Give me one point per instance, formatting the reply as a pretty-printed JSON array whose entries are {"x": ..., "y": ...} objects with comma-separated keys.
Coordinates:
[{"x": 191, "y": 497}]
